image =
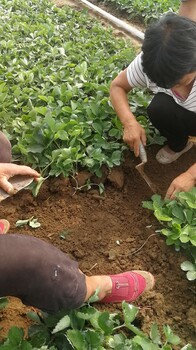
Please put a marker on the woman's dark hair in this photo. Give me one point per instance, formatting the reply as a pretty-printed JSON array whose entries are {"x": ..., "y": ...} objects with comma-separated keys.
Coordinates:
[{"x": 169, "y": 50}]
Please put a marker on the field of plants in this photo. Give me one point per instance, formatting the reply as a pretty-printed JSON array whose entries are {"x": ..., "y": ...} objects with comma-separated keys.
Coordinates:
[
  {"x": 55, "y": 70},
  {"x": 143, "y": 12}
]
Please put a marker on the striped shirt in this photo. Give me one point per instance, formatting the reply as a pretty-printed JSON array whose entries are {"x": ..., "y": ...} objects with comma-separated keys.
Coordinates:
[{"x": 137, "y": 78}]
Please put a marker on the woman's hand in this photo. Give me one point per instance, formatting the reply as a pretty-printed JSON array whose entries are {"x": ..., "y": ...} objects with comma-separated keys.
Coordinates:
[
  {"x": 133, "y": 135},
  {"x": 182, "y": 183},
  {"x": 8, "y": 170}
]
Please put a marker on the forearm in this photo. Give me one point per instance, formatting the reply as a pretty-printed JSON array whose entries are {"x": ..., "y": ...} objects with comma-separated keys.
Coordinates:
[
  {"x": 192, "y": 172},
  {"x": 133, "y": 133},
  {"x": 120, "y": 103},
  {"x": 188, "y": 9}
]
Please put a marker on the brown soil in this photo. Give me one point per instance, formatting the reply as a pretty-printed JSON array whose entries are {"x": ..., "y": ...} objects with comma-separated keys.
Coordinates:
[{"x": 108, "y": 235}]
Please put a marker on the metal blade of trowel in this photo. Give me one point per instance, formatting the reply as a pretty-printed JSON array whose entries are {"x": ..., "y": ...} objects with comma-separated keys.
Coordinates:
[
  {"x": 18, "y": 182},
  {"x": 140, "y": 168}
]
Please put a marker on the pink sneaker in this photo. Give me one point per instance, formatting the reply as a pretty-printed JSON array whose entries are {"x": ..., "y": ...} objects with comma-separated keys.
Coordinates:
[{"x": 128, "y": 286}]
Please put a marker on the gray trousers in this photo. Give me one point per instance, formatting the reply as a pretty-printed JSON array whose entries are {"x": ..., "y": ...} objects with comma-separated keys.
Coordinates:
[{"x": 39, "y": 274}]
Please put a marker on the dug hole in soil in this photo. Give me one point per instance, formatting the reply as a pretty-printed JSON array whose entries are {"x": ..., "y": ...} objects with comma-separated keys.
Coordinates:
[{"x": 107, "y": 235}]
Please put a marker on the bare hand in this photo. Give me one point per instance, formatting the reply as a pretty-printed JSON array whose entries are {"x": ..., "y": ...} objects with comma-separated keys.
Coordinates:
[
  {"x": 8, "y": 170},
  {"x": 133, "y": 135},
  {"x": 182, "y": 183}
]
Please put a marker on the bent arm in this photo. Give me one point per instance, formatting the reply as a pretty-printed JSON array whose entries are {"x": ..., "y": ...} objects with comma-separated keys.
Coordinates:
[
  {"x": 119, "y": 90},
  {"x": 133, "y": 132}
]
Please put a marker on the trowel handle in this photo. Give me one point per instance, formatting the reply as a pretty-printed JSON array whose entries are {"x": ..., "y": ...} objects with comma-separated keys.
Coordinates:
[{"x": 143, "y": 154}]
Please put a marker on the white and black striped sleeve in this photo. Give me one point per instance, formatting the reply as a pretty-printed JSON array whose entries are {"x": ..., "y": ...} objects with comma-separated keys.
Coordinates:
[{"x": 135, "y": 75}]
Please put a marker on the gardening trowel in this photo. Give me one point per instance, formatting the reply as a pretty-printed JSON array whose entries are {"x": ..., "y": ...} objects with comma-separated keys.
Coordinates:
[
  {"x": 140, "y": 168},
  {"x": 18, "y": 182}
]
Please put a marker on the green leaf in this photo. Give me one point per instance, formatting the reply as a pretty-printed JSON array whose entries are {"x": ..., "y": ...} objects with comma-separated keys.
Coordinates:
[
  {"x": 116, "y": 157},
  {"x": 154, "y": 334},
  {"x": 115, "y": 340},
  {"x": 62, "y": 135},
  {"x": 170, "y": 336},
  {"x": 77, "y": 322},
  {"x": 105, "y": 323},
  {"x": 184, "y": 238},
  {"x": 3, "y": 302},
  {"x": 191, "y": 275},
  {"x": 161, "y": 215},
  {"x": 187, "y": 347},
  {"x": 188, "y": 197},
  {"x": 62, "y": 324},
  {"x": 39, "y": 335},
  {"x": 189, "y": 215},
  {"x": 37, "y": 185},
  {"x": 145, "y": 343},
  {"x": 34, "y": 317},
  {"x": 94, "y": 339},
  {"x": 187, "y": 266},
  {"x": 41, "y": 110},
  {"x": 178, "y": 212},
  {"x": 22, "y": 222},
  {"x": 148, "y": 205},
  {"x": 129, "y": 311},
  {"x": 77, "y": 339},
  {"x": 34, "y": 223},
  {"x": 15, "y": 336},
  {"x": 94, "y": 297}
]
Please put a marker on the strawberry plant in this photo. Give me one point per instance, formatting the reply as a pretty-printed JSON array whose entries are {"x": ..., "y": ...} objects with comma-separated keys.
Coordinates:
[
  {"x": 179, "y": 218},
  {"x": 89, "y": 328}
]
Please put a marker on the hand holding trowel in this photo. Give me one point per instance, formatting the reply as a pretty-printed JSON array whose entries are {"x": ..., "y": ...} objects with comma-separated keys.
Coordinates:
[
  {"x": 18, "y": 182},
  {"x": 14, "y": 177},
  {"x": 140, "y": 168}
]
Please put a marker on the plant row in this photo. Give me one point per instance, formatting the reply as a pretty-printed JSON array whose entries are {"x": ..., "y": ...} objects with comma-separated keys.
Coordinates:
[
  {"x": 144, "y": 11},
  {"x": 88, "y": 328}
]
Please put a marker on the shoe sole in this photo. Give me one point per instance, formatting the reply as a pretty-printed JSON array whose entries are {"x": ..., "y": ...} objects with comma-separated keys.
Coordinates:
[
  {"x": 149, "y": 278},
  {"x": 6, "y": 226}
]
